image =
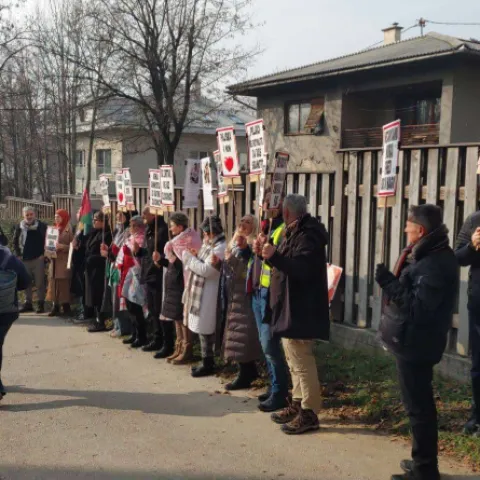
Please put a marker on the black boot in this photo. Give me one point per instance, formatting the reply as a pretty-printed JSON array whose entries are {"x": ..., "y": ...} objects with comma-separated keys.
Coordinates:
[
  {"x": 247, "y": 373},
  {"x": 168, "y": 341},
  {"x": 99, "y": 324},
  {"x": 2, "y": 390},
  {"x": 153, "y": 346},
  {"x": 130, "y": 340},
  {"x": 55, "y": 311},
  {"x": 139, "y": 342},
  {"x": 472, "y": 427},
  {"x": 40, "y": 307},
  {"x": 206, "y": 369},
  {"x": 67, "y": 311},
  {"x": 27, "y": 308}
]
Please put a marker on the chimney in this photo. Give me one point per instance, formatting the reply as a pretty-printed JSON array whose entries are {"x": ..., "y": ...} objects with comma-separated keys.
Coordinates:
[{"x": 392, "y": 34}]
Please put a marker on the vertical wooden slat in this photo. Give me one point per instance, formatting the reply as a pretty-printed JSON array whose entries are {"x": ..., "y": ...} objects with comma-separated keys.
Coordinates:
[
  {"x": 451, "y": 192},
  {"x": 337, "y": 246},
  {"x": 351, "y": 233},
  {"x": 312, "y": 198},
  {"x": 415, "y": 165},
  {"x": 365, "y": 244},
  {"x": 397, "y": 218},
  {"x": 230, "y": 214},
  {"x": 432, "y": 176},
  {"x": 289, "y": 183},
  {"x": 248, "y": 196},
  {"x": 325, "y": 208},
  {"x": 301, "y": 184},
  {"x": 470, "y": 206}
]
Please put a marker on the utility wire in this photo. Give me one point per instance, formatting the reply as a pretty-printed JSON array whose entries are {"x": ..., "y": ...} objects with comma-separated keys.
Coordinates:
[{"x": 467, "y": 24}]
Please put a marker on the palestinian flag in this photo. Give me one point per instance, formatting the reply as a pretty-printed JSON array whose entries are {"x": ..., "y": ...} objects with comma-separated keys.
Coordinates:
[{"x": 86, "y": 218}]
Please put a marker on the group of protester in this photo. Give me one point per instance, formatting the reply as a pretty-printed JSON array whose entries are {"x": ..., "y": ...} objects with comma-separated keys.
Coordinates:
[{"x": 263, "y": 294}]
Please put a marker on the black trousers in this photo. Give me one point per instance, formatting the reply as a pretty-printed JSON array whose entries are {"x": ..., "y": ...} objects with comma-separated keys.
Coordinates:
[
  {"x": 5, "y": 325},
  {"x": 154, "y": 302},
  {"x": 139, "y": 324},
  {"x": 417, "y": 396},
  {"x": 474, "y": 323}
]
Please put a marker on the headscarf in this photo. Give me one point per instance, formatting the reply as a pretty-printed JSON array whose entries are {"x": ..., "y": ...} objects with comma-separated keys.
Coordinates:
[
  {"x": 65, "y": 216},
  {"x": 250, "y": 239}
]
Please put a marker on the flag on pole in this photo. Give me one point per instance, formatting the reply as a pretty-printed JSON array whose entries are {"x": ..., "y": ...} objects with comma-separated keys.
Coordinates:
[{"x": 86, "y": 219}]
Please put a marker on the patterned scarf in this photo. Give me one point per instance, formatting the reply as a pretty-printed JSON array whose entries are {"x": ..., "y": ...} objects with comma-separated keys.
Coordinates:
[
  {"x": 25, "y": 228},
  {"x": 192, "y": 295}
]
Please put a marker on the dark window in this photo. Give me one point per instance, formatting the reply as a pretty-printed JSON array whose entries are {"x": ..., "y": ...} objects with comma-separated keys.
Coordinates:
[
  {"x": 306, "y": 117},
  {"x": 104, "y": 161},
  {"x": 424, "y": 111},
  {"x": 79, "y": 158}
]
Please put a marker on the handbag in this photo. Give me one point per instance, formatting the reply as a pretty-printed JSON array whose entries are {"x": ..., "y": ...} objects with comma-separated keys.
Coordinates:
[{"x": 133, "y": 290}]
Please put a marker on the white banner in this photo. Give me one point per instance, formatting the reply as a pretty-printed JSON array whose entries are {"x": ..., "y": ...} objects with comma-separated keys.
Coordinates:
[
  {"x": 128, "y": 189},
  {"x": 222, "y": 188},
  {"x": 191, "y": 188},
  {"x": 227, "y": 145},
  {"x": 391, "y": 139},
  {"x": 256, "y": 146},
  {"x": 278, "y": 180},
  {"x": 155, "y": 188},
  {"x": 168, "y": 186},
  {"x": 104, "y": 182},
  {"x": 120, "y": 189},
  {"x": 207, "y": 184}
]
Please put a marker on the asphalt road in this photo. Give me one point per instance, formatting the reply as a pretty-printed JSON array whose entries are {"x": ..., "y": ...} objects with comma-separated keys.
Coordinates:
[{"x": 84, "y": 406}]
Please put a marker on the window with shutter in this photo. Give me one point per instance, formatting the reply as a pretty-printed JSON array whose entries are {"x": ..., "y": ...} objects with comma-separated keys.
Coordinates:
[{"x": 305, "y": 118}]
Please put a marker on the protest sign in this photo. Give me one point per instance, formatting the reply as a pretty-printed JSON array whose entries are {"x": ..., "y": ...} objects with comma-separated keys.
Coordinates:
[
  {"x": 262, "y": 182},
  {"x": 207, "y": 184},
  {"x": 391, "y": 139},
  {"x": 168, "y": 187},
  {"x": 128, "y": 189},
  {"x": 51, "y": 240},
  {"x": 334, "y": 275},
  {"x": 222, "y": 192},
  {"x": 278, "y": 180},
  {"x": 227, "y": 145},
  {"x": 256, "y": 147},
  {"x": 120, "y": 190},
  {"x": 104, "y": 183},
  {"x": 155, "y": 190},
  {"x": 191, "y": 188}
]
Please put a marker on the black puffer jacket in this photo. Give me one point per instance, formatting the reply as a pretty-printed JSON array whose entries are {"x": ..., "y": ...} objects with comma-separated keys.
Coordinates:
[
  {"x": 299, "y": 287},
  {"x": 469, "y": 257},
  {"x": 172, "y": 307},
  {"x": 418, "y": 305}
]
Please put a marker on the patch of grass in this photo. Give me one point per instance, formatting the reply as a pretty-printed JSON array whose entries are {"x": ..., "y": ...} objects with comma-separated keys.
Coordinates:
[{"x": 362, "y": 387}]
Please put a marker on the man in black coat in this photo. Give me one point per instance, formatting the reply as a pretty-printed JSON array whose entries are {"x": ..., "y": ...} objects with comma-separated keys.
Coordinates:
[
  {"x": 152, "y": 278},
  {"x": 467, "y": 250},
  {"x": 299, "y": 309},
  {"x": 419, "y": 299}
]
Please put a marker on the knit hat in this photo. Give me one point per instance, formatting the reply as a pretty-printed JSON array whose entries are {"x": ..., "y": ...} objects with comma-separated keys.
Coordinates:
[
  {"x": 216, "y": 223},
  {"x": 180, "y": 219},
  {"x": 428, "y": 216}
]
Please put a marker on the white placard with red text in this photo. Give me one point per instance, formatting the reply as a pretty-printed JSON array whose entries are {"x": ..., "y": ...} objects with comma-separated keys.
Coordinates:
[
  {"x": 168, "y": 186},
  {"x": 391, "y": 139},
  {"x": 155, "y": 188},
  {"x": 227, "y": 145},
  {"x": 104, "y": 182},
  {"x": 256, "y": 146},
  {"x": 278, "y": 180},
  {"x": 120, "y": 189},
  {"x": 207, "y": 184}
]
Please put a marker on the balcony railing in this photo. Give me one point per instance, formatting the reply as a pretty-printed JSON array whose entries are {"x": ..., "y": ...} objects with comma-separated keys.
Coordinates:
[{"x": 372, "y": 137}]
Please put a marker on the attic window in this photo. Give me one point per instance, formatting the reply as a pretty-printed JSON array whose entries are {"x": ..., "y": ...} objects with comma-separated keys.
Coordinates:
[{"x": 305, "y": 118}]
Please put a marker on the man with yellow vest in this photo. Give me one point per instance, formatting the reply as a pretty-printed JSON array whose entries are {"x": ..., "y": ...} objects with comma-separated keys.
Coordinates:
[{"x": 259, "y": 286}]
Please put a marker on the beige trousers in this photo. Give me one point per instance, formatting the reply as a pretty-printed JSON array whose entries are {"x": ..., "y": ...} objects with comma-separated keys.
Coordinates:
[{"x": 303, "y": 369}]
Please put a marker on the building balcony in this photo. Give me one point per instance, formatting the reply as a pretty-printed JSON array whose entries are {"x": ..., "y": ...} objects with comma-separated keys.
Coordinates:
[{"x": 372, "y": 137}]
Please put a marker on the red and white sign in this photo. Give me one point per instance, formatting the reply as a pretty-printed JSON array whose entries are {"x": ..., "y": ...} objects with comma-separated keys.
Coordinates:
[
  {"x": 221, "y": 188},
  {"x": 207, "y": 185},
  {"x": 334, "y": 275},
  {"x": 155, "y": 188},
  {"x": 391, "y": 139},
  {"x": 103, "y": 180},
  {"x": 120, "y": 189},
  {"x": 128, "y": 189},
  {"x": 168, "y": 186},
  {"x": 278, "y": 180},
  {"x": 256, "y": 146},
  {"x": 227, "y": 145}
]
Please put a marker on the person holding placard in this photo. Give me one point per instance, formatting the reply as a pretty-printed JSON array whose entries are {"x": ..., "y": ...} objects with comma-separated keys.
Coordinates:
[
  {"x": 59, "y": 277},
  {"x": 201, "y": 292},
  {"x": 29, "y": 246}
]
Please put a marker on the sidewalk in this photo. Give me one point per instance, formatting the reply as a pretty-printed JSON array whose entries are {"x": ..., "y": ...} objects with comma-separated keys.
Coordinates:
[{"x": 85, "y": 406}]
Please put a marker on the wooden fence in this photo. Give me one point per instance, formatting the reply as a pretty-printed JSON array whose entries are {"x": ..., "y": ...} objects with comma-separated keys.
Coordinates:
[{"x": 445, "y": 176}]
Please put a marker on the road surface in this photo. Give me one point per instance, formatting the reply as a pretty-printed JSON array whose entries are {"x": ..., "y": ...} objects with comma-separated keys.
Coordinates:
[{"x": 83, "y": 406}]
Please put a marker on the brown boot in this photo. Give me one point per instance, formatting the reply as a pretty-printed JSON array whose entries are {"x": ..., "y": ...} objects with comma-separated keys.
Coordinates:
[
  {"x": 287, "y": 414},
  {"x": 178, "y": 343},
  {"x": 305, "y": 421},
  {"x": 186, "y": 354}
]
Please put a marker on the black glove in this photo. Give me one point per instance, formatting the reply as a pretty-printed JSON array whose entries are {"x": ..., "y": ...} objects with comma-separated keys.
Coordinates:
[{"x": 383, "y": 275}]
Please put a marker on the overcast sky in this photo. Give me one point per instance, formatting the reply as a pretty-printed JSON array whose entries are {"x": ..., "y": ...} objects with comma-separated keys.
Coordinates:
[{"x": 299, "y": 32}]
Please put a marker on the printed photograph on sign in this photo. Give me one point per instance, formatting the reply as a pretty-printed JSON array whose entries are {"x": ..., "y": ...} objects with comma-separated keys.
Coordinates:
[
  {"x": 207, "y": 184},
  {"x": 128, "y": 189},
  {"x": 155, "y": 188},
  {"x": 278, "y": 180},
  {"x": 119, "y": 187},
  {"x": 263, "y": 180},
  {"x": 104, "y": 183},
  {"x": 227, "y": 145},
  {"x": 221, "y": 187},
  {"x": 51, "y": 240},
  {"x": 168, "y": 186},
  {"x": 388, "y": 180},
  {"x": 256, "y": 146},
  {"x": 191, "y": 188}
]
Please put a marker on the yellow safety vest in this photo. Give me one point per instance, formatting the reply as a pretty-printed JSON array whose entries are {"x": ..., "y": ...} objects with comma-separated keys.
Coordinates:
[{"x": 266, "y": 275}]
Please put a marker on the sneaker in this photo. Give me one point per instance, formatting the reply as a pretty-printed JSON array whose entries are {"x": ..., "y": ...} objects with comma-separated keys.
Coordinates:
[
  {"x": 305, "y": 421},
  {"x": 27, "y": 308},
  {"x": 287, "y": 414}
]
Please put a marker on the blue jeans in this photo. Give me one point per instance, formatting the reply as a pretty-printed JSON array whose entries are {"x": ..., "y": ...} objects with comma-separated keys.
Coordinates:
[{"x": 271, "y": 345}]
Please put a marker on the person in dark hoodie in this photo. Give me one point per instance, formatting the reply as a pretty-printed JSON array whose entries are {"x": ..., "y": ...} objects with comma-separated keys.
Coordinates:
[
  {"x": 299, "y": 309},
  {"x": 9, "y": 303},
  {"x": 419, "y": 299}
]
